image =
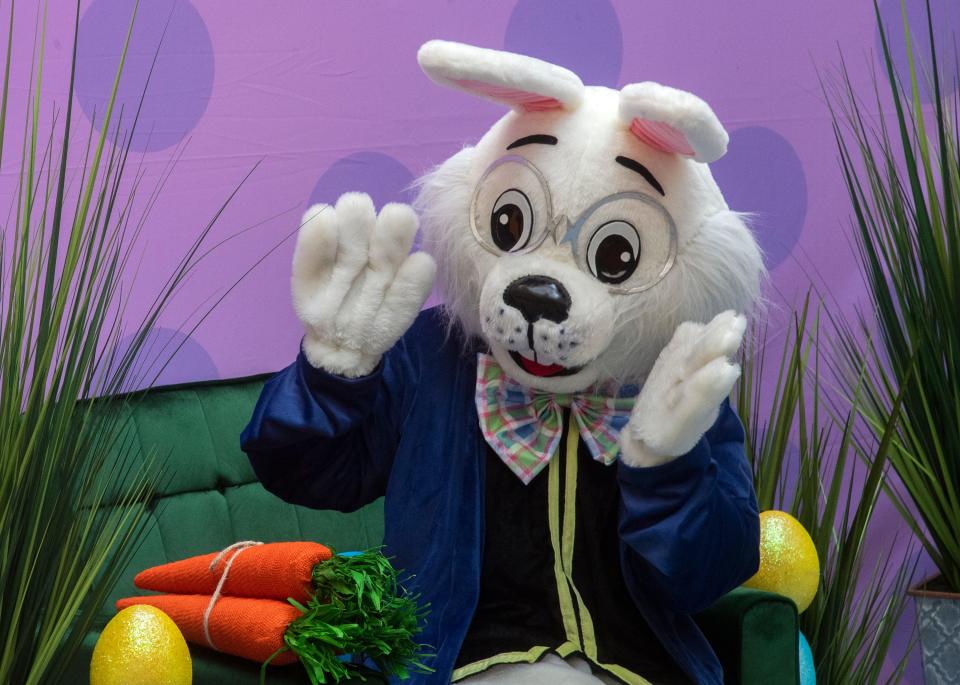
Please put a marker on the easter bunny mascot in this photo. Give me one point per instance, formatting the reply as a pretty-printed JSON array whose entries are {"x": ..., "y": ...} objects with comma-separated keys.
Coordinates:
[{"x": 563, "y": 525}]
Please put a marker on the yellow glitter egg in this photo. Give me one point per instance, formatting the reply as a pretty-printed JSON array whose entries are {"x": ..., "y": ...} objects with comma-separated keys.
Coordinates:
[
  {"x": 789, "y": 564},
  {"x": 141, "y": 646}
]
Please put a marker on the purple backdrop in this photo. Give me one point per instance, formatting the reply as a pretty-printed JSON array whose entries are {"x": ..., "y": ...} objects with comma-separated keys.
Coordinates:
[{"x": 327, "y": 97}]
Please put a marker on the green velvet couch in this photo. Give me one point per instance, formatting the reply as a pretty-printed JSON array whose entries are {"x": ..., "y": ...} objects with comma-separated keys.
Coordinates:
[{"x": 212, "y": 499}]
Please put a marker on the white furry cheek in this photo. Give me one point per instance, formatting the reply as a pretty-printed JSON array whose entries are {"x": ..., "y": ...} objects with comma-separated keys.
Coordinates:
[{"x": 498, "y": 322}]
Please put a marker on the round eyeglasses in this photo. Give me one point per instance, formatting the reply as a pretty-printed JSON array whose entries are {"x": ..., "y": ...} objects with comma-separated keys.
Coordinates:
[{"x": 627, "y": 240}]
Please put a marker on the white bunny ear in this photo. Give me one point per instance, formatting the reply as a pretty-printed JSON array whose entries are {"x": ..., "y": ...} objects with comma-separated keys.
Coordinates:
[
  {"x": 520, "y": 82},
  {"x": 673, "y": 121}
]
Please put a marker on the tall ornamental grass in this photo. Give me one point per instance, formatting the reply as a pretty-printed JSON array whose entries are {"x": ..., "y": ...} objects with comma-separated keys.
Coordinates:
[
  {"x": 804, "y": 457},
  {"x": 899, "y": 160},
  {"x": 68, "y": 239}
]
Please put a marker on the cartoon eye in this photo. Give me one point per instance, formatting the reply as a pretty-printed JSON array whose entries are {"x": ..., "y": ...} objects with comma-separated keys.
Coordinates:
[
  {"x": 626, "y": 240},
  {"x": 511, "y": 221},
  {"x": 613, "y": 252},
  {"x": 511, "y": 207}
]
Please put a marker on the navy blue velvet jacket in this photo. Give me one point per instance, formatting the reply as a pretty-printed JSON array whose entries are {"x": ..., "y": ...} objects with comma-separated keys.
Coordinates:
[{"x": 409, "y": 432}]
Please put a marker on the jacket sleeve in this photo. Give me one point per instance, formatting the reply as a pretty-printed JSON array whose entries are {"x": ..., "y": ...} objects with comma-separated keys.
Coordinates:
[
  {"x": 325, "y": 441},
  {"x": 690, "y": 529}
]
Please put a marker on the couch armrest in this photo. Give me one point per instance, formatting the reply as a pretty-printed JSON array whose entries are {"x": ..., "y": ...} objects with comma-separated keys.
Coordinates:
[{"x": 754, "y": 633}]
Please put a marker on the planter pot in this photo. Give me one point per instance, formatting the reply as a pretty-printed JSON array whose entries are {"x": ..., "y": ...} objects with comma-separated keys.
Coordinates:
[{"x": 938, "y": 619}]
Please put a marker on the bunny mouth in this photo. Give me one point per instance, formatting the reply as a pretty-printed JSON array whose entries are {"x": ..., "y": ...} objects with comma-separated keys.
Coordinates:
[{"x": 535, "y": 368}]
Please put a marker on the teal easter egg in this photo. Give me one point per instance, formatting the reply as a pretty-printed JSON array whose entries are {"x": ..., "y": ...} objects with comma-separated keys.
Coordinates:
[{"x": 808, "y": 674}]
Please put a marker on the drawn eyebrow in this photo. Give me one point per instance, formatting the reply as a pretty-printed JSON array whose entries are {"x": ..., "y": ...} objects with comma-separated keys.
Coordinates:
[
  {"x": 538, "y": 138},
  {"x": 634, "y": 165}
]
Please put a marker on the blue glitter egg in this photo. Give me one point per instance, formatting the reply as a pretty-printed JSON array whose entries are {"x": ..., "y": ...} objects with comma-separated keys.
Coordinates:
[{"x": 808, "y": 674}]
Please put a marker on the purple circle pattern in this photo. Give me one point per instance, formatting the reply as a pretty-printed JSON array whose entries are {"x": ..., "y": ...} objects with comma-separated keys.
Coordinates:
[
  {"x": 946, "y": 35},
  {"x": 182, "y": 81},
  {"x": 582, "y": 35},
  {"x": 762, "y": 174},
  {"x": 380, "y": 176},
  {"x": 191, "y": 362}
]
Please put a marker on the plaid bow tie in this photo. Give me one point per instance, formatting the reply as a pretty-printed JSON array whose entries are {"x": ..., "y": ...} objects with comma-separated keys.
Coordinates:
[{"x": 523, "y": 426}]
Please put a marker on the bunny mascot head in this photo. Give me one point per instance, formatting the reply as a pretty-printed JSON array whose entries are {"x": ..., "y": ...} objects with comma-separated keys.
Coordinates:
[
  {"x": 583, "y": 249},
  {"x": 585, "y": 226}
]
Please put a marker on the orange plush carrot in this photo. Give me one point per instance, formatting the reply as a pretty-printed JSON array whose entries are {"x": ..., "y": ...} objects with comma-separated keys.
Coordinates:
[
  {"x": 277, "y": 570},
  {"x": 248, "y": 628}
]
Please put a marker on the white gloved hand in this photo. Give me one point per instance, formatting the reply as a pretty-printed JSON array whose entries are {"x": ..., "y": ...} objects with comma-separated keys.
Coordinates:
[
  {"x": 681, "y": 399},
  {"x": 356, "y": 287}
]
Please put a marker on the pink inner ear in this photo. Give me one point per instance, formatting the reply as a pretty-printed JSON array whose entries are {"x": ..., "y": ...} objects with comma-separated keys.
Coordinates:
[
  {"x": 661, "y": 136},
  {"x": 532, "y": 102}
]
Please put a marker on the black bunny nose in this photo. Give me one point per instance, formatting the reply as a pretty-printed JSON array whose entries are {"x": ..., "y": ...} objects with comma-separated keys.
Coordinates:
[{"x": 538, "y": 297}]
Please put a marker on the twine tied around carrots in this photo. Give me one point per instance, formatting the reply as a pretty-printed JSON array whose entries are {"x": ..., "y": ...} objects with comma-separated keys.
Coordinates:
[{"x": 236, "y": 548}]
